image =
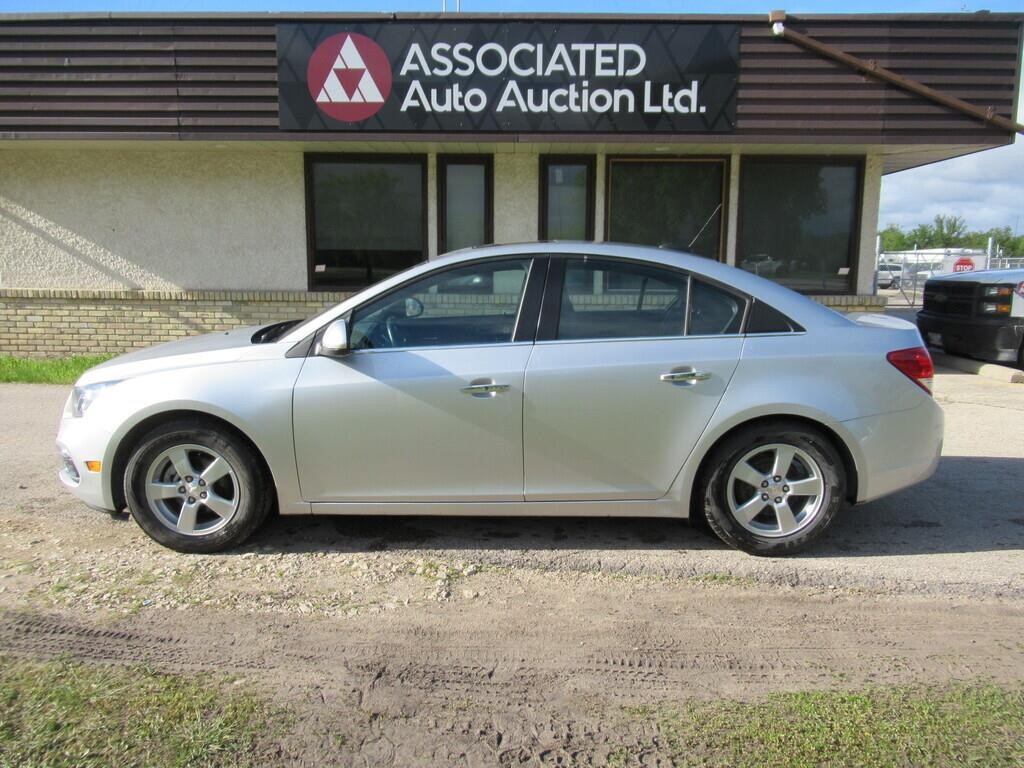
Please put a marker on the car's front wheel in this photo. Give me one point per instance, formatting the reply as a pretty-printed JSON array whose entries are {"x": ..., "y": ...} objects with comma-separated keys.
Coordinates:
[
  {"x": 773, "y": 488},
  {"x": 196, "y": 488}
]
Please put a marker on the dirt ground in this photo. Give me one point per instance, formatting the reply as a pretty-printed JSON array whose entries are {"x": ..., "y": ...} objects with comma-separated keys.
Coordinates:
[{"x": 415, "y": 641}]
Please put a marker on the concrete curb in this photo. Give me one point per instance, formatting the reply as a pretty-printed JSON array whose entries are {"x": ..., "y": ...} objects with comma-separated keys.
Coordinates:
[{"x": 988, "y": 370}]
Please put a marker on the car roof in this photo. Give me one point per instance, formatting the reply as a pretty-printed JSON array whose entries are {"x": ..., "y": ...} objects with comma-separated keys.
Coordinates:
[{"x": 799, "y": 308}]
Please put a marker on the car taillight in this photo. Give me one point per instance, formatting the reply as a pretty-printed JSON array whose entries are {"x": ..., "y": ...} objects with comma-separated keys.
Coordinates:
[{"x": 916, "y": 364}]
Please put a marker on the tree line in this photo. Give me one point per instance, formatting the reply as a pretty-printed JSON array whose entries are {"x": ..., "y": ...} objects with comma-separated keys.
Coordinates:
[{"x": 951, "y": 232}]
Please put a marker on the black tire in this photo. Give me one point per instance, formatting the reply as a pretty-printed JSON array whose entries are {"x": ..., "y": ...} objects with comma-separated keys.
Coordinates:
[
  {"x": 252, "y": 493},
  {"x": 713, "y": 487}
]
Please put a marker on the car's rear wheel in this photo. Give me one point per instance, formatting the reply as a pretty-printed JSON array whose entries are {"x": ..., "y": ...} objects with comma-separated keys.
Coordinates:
[
  {"x": 196, "y": 488},
  {"x": 773, "y": 488}
]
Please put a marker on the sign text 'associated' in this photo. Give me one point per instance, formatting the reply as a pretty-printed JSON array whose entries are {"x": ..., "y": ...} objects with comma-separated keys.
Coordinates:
[{"x": 516, "y": 76}]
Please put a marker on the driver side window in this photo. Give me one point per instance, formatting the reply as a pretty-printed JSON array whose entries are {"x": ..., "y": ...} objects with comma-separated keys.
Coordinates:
[{"x": 465, "y": 306}]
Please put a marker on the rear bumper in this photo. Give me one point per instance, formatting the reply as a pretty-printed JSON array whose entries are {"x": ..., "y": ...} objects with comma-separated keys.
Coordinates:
[
  {"x": 997, "y": 339},
  {"x": 897, "y": 449}
]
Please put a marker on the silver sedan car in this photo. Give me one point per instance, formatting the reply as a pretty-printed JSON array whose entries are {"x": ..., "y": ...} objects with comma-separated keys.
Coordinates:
[{"x": 541, "y": 379}]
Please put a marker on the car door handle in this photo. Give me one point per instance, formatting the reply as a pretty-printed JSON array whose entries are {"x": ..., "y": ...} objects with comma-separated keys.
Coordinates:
[
  {"x": 485, "y": 390},
  {"x": 688, "y": 376}
]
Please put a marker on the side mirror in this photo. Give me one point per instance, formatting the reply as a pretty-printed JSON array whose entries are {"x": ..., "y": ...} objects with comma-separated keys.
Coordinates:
[
  {"x": 335, "y": 338},
  {"x": 413, "y": 307}
]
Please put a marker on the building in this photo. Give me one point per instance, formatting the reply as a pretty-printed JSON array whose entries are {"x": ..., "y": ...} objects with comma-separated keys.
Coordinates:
[{"x": 162, "y": 175}]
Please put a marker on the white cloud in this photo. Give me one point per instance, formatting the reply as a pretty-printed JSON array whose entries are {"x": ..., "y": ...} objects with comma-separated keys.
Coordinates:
[{"x": 986, "y": 189}]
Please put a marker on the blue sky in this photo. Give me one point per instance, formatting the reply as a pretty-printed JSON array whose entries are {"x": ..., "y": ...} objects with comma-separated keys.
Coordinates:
[{"x": 987, "y": 188}]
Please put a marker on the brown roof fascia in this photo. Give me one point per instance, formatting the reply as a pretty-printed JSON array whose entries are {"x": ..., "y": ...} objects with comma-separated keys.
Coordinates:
[{"x": 872, "y": 69}]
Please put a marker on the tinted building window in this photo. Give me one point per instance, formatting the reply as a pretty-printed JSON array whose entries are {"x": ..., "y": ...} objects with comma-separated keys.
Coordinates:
[
  {"x": 367, "y": 218},
  {"x": 799, "y": 221},
  {"x": 566, "y": 198},
  {"x": 673, "y": 203},
  {"x": 465, "y": 194}
]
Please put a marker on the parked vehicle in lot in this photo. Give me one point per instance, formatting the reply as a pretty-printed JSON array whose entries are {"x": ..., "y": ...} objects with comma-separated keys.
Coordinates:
[
  {"x": 977, "y": 314},
  {"x": 537, "y": 379},
  {"x": 762, "y": 264},
  {"x": 889, "y": 275}
]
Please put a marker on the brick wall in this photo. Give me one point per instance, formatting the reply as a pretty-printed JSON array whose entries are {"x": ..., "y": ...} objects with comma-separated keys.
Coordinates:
[
  {"x": 51, "y": 323},
  {"x": 55, "y": 323}
]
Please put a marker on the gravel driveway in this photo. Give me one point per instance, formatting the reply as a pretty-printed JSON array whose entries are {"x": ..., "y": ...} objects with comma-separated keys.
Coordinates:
[
  {"x": 961, "y": 533},
  {"x": 475, "y": 641}
]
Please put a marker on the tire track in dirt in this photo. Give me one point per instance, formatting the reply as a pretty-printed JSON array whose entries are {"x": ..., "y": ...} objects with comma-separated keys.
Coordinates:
[
  {"x": 438, "y": 653},
  {"x": 461, "y": 684}
]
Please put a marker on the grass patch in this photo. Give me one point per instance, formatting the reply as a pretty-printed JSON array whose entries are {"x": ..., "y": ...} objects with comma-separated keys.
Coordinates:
[
  {"x": 64, "y": 713},
  {"x": 922, "y": 726},
  {"x": 65, "y": 370}
]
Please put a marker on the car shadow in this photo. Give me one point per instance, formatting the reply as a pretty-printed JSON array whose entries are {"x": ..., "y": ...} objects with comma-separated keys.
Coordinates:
[{"x": 971, "y": 504}]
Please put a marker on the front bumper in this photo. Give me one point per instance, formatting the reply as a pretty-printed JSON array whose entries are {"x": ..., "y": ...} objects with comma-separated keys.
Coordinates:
[
  {"x": 898, "y": 449},
  {"x": 79, "y": 441},
  {"x": 995, "y": 339}
]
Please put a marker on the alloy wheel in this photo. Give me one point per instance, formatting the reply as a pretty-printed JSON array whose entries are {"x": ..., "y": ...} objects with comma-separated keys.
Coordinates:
[
  {"x": 775, "y": 490},
  {"x": 192, "y": 489}
]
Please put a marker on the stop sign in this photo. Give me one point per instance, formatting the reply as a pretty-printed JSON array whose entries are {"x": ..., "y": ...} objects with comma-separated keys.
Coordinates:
[{"x": 963, "y": 264}]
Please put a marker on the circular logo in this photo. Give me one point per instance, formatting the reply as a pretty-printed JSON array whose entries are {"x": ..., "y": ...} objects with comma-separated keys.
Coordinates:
[
  {"x": 964, "y": 264},
  {"x": 349, "y": 77}
]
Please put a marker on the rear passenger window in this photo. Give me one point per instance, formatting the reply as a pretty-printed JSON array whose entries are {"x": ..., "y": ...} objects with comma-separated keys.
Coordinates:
[
  {"x": 620, "y": 300},
  {"x": 766, "y": 319},
  {"x": 714, "y": 311}
]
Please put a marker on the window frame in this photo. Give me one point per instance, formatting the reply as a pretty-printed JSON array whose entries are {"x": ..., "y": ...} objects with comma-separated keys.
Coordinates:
[
  {"x": 550, "y": 310},
  {"x": 723, "y": 160},
  {"x": 524, "y": 328},
  {"x": 857, "y": 162},
  {"x": 545, "y": 163},
  {"x": 443, "y": 163},
  {"x": 310, "y": 159}
]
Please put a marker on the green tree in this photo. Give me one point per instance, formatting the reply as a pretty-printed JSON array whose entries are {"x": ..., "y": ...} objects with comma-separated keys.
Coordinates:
[
  {"x": 950, "y": 231},
  {"x": 894, "y": 239},
  {"x": 922, "y": 236}
]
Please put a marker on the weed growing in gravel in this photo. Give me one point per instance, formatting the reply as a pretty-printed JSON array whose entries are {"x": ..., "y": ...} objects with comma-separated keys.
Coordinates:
[{"x": 64, "y": 713}]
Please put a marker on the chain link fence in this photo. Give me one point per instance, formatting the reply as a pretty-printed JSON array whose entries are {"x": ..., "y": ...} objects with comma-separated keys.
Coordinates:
[{"x": 900, "y": 275}]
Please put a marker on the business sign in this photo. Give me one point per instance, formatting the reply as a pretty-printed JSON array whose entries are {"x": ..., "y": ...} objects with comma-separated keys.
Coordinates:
[{"x": 519, "y": 76}]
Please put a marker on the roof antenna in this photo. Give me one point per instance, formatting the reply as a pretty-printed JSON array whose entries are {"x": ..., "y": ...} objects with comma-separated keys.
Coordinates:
[{"x": 701, "y": 230}]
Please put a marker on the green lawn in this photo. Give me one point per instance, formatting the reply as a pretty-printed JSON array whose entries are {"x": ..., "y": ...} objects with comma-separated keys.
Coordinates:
[
  {"x": 63, "y": 713},
  {"x": 64, "y": 370},
  {"x": 957, "y": 725}
]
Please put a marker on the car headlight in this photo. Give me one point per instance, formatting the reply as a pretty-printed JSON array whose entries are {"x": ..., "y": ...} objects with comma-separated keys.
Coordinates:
[
  {"x": 82, "y": 397},
  {"x": 998, "y": 290}
]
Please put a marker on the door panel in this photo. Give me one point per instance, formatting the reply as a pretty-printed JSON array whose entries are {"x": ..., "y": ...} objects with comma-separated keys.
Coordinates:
[
  {"x": 599, "y": 422},
  {"x": 395, "y": 425}
]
